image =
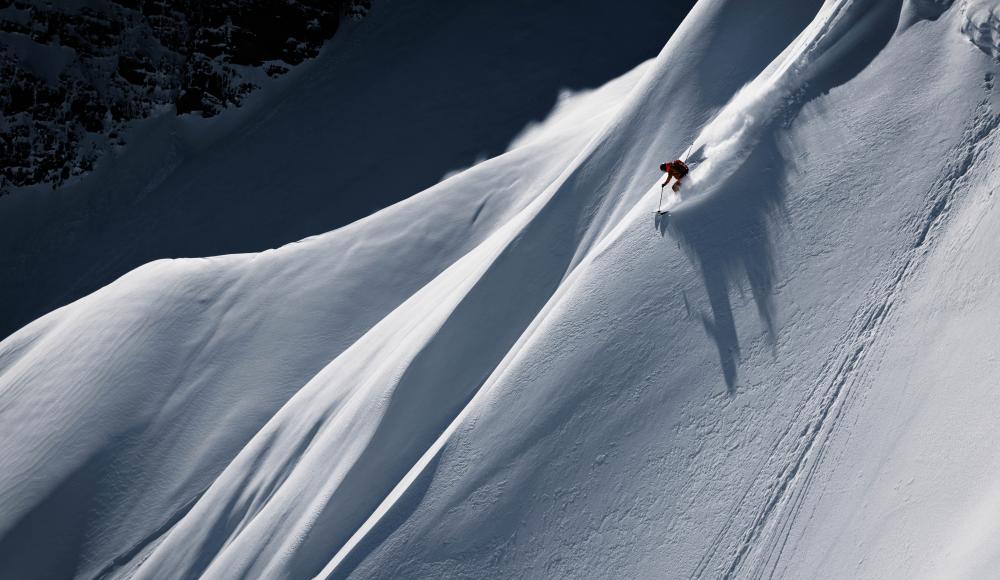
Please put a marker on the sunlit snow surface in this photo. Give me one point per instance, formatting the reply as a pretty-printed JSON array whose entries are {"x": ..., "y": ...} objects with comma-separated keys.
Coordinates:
[{"x": 522, "y": 372}]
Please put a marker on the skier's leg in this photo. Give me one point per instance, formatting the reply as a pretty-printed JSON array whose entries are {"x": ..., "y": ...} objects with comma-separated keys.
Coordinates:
[{"x": 677, "y": 186}]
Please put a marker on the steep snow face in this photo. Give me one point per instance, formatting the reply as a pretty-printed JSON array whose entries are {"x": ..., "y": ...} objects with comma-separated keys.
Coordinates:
[
  {"x": 521, "y": 372},
  {"x": 724, "y": 144}
]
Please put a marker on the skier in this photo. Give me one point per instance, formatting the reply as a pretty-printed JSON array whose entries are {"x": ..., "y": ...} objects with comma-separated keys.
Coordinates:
[{"x": 676, "y": 169}]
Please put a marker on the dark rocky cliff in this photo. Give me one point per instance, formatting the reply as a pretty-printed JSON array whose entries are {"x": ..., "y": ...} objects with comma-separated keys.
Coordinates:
[{"x": 75, "y": 72}]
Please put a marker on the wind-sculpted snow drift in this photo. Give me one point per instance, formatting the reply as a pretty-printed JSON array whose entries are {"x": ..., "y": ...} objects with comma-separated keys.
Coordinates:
[{"x": 519, "y": 373}]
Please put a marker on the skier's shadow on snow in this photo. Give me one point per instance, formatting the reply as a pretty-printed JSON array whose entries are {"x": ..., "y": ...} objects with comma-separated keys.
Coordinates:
[
  {"x": 729, "y": 234},
  {"x": 729, "y": 237}
]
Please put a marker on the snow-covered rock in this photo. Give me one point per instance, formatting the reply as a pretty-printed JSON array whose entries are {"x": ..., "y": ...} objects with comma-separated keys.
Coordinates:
[{"x": 982, "y": 25}]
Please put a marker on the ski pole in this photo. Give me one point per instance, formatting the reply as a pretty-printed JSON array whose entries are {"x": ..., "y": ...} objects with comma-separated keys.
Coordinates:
[{"x": 660, "y": 203}]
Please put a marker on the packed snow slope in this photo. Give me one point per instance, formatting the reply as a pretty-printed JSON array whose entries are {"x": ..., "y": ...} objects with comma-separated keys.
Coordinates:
[
  {"x": 392, "y": 104},
  {"x": 522, "y": 372}
]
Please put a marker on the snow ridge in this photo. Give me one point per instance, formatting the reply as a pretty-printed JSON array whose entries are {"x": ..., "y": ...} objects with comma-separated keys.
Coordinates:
[{"x": 725, "y": 143}]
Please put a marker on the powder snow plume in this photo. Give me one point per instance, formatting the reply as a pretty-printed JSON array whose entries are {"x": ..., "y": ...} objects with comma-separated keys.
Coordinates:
[{"x": 726, "y": 142}]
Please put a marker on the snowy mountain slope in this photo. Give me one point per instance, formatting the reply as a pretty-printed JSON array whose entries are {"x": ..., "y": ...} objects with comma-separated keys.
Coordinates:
[
  {"x": 391, "y": 105},
  {"x": 907, "y": 491},
  {"x": 520, "y": 373},
  {"x": 366, "y": 273},
  {"x": 645, "y": 468}
]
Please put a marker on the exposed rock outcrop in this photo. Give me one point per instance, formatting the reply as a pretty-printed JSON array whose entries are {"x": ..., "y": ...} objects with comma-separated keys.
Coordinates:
[{"x": 76, "y": 72}]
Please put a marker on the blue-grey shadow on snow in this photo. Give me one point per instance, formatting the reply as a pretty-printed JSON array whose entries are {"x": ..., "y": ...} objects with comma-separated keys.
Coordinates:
[
  {"x": 47, "y": 541},
  {"x": 730, "y": 234},
  {"x": 729, "y": 237},
  {"x": 223, "y": 525},
  {"x": 395, "y": 517},
  {"x": 871, "y": 31},
  {"x": 916, "y": 10},
  {"x": 50, "y": 539},
  {"x": 439, "y": 383}
]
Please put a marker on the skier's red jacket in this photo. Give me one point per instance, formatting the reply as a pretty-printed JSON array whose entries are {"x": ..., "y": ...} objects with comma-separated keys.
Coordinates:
[{"x": 676, "y": 169}]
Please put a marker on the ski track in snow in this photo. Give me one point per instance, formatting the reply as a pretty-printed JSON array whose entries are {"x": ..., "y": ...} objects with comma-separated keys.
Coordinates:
[{"x": 801, "y": 448}]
